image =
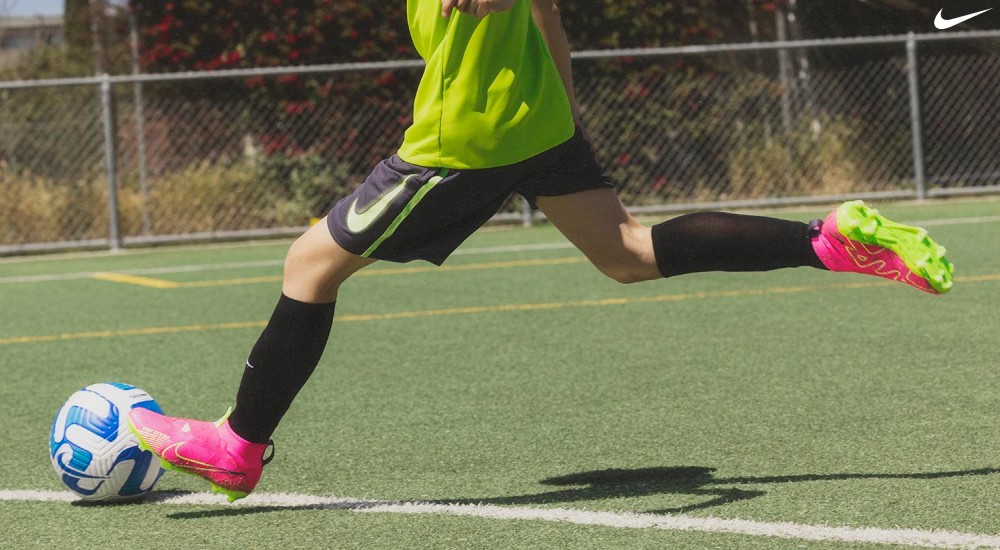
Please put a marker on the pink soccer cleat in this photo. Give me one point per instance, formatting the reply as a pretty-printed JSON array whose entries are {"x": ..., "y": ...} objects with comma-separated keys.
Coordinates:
[
  {"x": 206, "y": 449},
  {"x": 857, "y": 238}
]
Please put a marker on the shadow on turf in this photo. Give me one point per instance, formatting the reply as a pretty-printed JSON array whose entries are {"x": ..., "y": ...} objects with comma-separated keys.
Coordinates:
[
  {"x": 607, "y": 484},
  {"x": 154, "y": 497},
  {"x": 680, "y": 480}
]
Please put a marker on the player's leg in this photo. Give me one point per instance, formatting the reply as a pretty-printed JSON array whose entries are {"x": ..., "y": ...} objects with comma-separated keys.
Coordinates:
[
  {"x": 573, "y": 192},
  {"x": 853, "y": 238},
  {"x": 292, "y": 343},
  {"x": 400, "y": 213},
  {"x": 230, "y": 452},
  {"x": 597, "y": 223}
]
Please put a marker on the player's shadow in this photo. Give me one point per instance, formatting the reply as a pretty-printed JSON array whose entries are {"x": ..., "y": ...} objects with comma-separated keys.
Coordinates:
[
  {"x": 615, "y": 483},
  {"x": 697, "y": 481}
]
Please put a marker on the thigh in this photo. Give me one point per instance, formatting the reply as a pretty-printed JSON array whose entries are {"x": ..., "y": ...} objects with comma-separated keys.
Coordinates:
[
  {"x": 566, "y": 169},
  {"x": 596, "y": 222}
]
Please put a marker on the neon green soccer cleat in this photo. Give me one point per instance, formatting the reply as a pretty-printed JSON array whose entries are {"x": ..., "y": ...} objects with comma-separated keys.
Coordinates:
[{"x": 857, "y": 238}]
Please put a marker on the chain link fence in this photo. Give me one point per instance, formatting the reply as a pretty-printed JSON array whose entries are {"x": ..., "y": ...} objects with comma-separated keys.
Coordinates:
[{"x": 113, "y": 161}]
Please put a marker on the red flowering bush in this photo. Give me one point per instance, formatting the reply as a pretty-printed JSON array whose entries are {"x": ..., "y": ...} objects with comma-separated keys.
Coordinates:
[{"x": 202, "y": 34}]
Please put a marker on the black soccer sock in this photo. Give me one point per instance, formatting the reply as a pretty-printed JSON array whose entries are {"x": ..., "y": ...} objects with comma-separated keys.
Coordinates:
[
  {"x": 717, "y": 241},
  {"x": 281, "y": 361}
]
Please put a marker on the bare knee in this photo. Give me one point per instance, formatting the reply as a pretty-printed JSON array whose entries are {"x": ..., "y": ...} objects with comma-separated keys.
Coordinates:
[
  {"x": 306, "y": 276},
  {"x": 634, "y": 261},
  {"x": 624, "y": 273},
  {"x": 316, "y": 266}
]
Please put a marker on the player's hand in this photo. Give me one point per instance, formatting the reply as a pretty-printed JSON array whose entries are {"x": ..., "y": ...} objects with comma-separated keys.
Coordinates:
[{"x": 479, "y": 8}]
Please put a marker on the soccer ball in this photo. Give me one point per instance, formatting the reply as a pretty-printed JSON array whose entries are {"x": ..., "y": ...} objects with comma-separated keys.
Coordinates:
[{"x": 92, "y": 449}]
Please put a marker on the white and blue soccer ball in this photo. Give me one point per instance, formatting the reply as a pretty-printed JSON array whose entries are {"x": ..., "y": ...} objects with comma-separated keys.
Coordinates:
[{"x": 92, "y": 449}]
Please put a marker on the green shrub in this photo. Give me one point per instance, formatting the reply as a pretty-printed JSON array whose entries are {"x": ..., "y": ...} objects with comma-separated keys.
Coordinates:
[
  {"x": 273, "y": 191},
  {"x": 812, "y": 159},
  {"x": 42, "y": 209}
]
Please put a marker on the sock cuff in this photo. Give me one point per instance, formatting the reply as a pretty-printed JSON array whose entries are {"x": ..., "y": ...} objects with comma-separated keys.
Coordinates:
[
  {"x": 291, "y": 303},
  {"x": 243, "y": 444},
  {"x": 301, "y": 314},
  {"x": 659, "y": 233}
]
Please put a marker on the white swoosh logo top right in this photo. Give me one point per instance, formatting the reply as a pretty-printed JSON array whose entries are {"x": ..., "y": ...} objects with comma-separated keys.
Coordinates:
[{"x": 941, "y": 23}]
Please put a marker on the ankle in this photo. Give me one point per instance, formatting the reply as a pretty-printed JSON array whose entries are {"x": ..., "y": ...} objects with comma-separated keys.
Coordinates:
[{"x": 240, "y": 445}]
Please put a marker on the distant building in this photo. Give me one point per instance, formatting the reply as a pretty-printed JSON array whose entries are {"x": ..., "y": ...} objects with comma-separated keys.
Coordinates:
[{"x": 22, "y": 34}]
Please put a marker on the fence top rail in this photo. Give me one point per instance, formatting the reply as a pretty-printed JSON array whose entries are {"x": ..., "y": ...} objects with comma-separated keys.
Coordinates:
[
  {"x": 205, "y": 75},
  {"x": 788, "y": 45},
  {"x": 418, "y": 63}
]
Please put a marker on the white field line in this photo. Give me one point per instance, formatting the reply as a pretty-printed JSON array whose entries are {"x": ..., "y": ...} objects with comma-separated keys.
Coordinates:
[
  {"x": 955, "y": 221},
  {"x": 141, "y": 271},
  {"x": 255, "y": 264},
  {"x": 460, "y": 252},
  {"x": 561, "y": 245},
  {"x": 618, "y": 520}
]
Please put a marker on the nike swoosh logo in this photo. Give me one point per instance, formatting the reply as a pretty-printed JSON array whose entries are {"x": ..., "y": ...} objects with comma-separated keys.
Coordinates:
[
  {"x": 359, "y": 221},
  {"x": 191, "y": 464},
  {"x": 942, "y": 24}
]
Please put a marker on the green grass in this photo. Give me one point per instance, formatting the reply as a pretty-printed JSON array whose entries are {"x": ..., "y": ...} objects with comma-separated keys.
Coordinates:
[{"x": 800, "y": 399}]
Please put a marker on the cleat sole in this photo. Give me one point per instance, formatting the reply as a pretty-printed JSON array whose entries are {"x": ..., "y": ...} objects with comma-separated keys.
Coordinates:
[
  {"x": 233, "y": 496},
  {"x": 915, "y": 248}
]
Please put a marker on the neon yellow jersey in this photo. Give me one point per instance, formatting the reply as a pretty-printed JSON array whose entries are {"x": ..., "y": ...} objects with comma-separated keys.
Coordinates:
[{"x": 490, "y": 95}]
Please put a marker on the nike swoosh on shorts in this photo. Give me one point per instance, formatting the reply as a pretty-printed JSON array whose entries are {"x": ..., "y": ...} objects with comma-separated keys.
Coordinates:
[{"x": 359, "y": 221}]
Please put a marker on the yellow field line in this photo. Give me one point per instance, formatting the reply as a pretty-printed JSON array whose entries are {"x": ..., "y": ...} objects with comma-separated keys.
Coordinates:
[
  {"x": 231, "y": 282},
  {"x": 165, "y": 284},
  {"x": 474, "y": 267},
  {"x": 978, "y": 278},
  {"x": 503, "y": 308},
  {"x": 129, "y": 332},
  {"x": 148, "y": 282},
  {"x": 471, "y": 310}
]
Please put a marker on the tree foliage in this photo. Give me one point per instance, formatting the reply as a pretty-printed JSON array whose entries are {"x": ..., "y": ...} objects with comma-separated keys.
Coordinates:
[
  {"x": 193, "y": 35},
  {"x": 640, "y": 23},
  {"x": 205, "y": 34},
  {"x": 196, "y": 35},
  {"x": 76, "y": 27}
]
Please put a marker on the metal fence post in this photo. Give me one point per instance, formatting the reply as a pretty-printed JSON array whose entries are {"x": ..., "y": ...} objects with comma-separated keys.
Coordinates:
[
  {"x": 111, "y": 163},
  {"x": 916, "y": 116}
]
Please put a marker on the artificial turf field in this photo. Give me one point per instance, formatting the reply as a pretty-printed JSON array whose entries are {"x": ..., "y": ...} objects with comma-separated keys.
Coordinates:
[{"x": 519, "y": 378}]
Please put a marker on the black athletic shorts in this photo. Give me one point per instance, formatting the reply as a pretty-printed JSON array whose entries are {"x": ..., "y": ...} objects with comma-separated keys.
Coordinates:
[{"x": 404, "y": 212}]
